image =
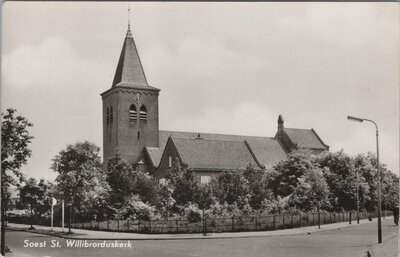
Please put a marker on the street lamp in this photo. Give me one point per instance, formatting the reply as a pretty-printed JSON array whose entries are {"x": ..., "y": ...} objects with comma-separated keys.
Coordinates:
[
  {"x": 358, "y": 198},
  {"x": 379, "y": 174}
]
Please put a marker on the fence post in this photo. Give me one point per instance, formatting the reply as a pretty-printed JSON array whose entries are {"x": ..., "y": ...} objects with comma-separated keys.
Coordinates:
[
  {"x": 233, "y": 223},
  {"x": 300, "y": 220},
  {"x": 128, "y": 225},
  {"x": 274, "y": 222},
  {"x": 149, "y": 225},
  {"x": 98, "y": 224},
  {"x": 349, "y": 217},
  {"x": 117, "y": 225},
  {"x": 205, "y": 225},
  {"x": 256, "y": 223},
  {"x": 283, "y": 220},
  {"x": 291, "y": 220},
  {"x": 313, "y": 219},
  {"x": 319, "y": 220}
]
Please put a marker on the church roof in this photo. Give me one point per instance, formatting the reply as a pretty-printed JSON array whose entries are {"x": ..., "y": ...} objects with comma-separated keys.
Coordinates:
[
  {"x": 201, "y": 154},
  {"x": 305, "y": 138},
  {"x": 265, "y": 150},
  {"x": 129, "y": 71}
]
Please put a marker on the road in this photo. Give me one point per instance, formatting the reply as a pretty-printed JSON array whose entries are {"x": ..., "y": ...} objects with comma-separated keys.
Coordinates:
[{"x": 350, "y": 241}]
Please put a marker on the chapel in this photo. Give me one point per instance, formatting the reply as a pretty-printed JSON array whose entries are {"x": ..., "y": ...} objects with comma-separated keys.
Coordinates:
[{"x": 131, "y": 127}]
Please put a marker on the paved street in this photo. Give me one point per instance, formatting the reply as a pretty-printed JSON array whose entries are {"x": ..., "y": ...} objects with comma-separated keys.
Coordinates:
[{"x": 349, "y": 241}]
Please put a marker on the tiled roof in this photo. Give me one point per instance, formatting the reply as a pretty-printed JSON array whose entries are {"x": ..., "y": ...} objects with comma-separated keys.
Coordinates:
[
  {"x": 129, "y": 70},
  {"x": 305, "y": 138},
  {"x": 155, "y": 154},
  {"x": 214, "y": 154},
  {"x": 266, "y": 150}
]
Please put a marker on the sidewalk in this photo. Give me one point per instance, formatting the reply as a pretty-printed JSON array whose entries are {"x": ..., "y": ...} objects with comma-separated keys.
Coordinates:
[
  {"x": 103, "y": 235},
  {"x": 389, "y": 248}
]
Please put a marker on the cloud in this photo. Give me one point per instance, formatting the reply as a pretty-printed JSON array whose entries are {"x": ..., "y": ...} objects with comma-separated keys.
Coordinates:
[
  {"x": 60, "y": 77},
  {"x": 362, "y": 139},
  {"x": 245, "y": 118},
  {"x": 222, "y": 68}
]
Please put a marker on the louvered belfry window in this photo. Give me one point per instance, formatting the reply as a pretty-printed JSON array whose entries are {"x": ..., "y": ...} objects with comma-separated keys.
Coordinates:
[
  {"x": 132, "y": 112},
  {"x": 111, "y": 114},
  {"x": 143, "y": 113},
  {"x": 108, "y": 116}
]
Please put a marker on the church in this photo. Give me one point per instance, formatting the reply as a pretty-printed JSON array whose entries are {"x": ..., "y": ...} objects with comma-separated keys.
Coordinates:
[{"x": 131, "y": 127}]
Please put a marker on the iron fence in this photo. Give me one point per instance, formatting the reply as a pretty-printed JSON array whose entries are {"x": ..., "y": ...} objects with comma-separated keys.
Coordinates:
[
  {"x": 210, "y": 224},
  {"x": 226, "y": 224}
]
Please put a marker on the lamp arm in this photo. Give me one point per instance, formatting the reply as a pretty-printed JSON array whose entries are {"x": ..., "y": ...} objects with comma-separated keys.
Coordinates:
[{"x": 376, "y": 125}]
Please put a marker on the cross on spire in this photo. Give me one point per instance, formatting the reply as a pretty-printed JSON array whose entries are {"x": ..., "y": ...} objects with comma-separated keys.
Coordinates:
[
  {"x": 129, "y": 15},
  {"x": 129, "y": 33}
]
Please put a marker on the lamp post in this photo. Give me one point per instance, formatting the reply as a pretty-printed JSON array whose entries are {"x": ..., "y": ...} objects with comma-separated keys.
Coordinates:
[
  {"x": 358, "y": 198},
  {"x": 378, "y": 171}
]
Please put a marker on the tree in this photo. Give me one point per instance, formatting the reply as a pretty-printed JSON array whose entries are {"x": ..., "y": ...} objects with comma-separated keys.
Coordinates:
[
  {"x": 231, "y": 187},
  {"x": 341, "y": 176},
  {"x": 135, "y": 208},
  {"x": 15, "y": 139},
  {"x": 181, "y": 190},
  {"x": 125, "y": 181},
  {"x": 33, "y": 194},
  {"x": 390, "y": 190},
  {"x": 259, "y": 185},
  {"x": 311, "y": 193},
  {"x": 205, "y": 196},
  {"x": 366, "y": 167},
  {"x": 165, "y": 201},
  {"x": 186, "y": 187},
  {"x": 285, "y": 175},
  {"x": 367, "y": 174},
  {"x": 183, "y": 183},
  {"x": 81, "y": 179}
]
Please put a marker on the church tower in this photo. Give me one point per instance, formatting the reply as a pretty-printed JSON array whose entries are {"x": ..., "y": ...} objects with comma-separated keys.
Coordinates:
[{"x": 130, "y": 108}]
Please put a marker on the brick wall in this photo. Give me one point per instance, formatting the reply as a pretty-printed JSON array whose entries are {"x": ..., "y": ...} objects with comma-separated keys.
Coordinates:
[{"x": 124, "y": 132}]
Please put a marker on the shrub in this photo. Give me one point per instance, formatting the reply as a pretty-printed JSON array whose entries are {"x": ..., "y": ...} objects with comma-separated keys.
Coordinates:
[
  {"x": 136, "y": 209},
  {"x": 192, "y": 212}
]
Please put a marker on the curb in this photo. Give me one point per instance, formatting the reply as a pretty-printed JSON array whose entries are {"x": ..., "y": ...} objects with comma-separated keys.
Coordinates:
[
  {"x": 376, "y": 249},
  {"x": 210, "y": 236}
]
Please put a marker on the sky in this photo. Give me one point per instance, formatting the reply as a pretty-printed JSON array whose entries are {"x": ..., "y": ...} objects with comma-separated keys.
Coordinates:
[{"x": 227, "y": 68}]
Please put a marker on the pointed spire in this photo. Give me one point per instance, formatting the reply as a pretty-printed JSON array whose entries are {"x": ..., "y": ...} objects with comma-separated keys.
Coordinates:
[
  {"x": 129, "y": 32},
  {"x": 129, "y": 71},
  {"x": 280, "y": 122}
]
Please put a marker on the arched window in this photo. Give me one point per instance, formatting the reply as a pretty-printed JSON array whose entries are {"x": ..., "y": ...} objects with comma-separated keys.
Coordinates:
[
  {"x": 111, "y": 114},
  {"x": 143, "y": 113},
  {"x": 108, "y": 116},
  {"x": 132, "y": 112}
]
